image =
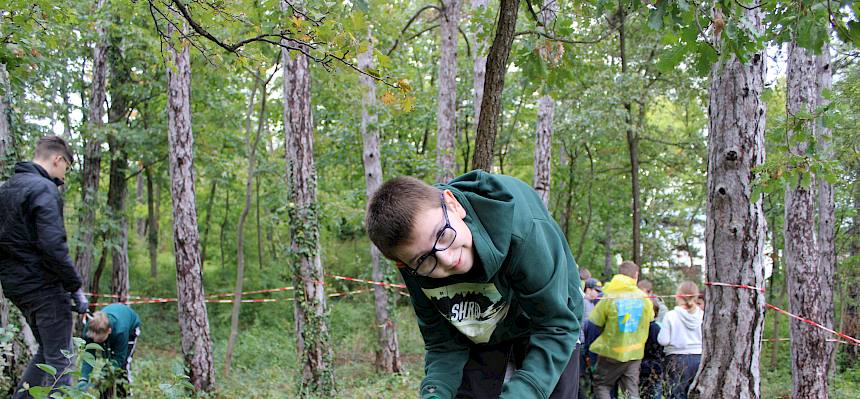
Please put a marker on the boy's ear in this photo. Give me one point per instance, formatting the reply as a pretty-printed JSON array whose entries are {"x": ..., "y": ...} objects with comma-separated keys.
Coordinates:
[{"x": 454, "y": 205}]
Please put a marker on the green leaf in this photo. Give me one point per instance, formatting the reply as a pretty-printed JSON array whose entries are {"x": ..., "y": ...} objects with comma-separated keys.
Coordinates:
[
  {"x": 47, "y": 368},
  {"x": 671, "y": 58},
  {"x": 706, "y": 56}
]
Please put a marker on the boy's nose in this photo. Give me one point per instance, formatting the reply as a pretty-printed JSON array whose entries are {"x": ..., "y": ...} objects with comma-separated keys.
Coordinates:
[{"x": 446, "y": 257}]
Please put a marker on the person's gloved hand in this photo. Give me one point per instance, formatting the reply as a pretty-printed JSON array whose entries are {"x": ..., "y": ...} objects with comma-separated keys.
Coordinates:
[{"x": 80, "y": 302}]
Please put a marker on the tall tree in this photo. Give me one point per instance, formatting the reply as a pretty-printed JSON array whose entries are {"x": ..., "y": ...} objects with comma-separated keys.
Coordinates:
[
  {"x": 6, "y": 142},
  {"x": 826, "y": 204},
  {"x": 632, "y": 139},
  {"x": 810, "y": 351},
  {"x": 388, "y": 357},
  {"x": 193, "y": 319},
  {"x": 251, "y": 143},
  {"x": 546, "y": 111},
  {"x": 735, "y": 229},
  {"x": 152, "y": 223},
  {"x": 311, "y": 314},
  {"x": 494, "y": 84},
  {"x": 851, "y": 302},
  {"x": 92, "y": 153},
  {"x": 120, "y": 74},
  {"x": 446, "y": 114}
]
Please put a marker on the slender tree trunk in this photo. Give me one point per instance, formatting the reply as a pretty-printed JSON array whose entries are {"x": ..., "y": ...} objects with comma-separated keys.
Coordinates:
[
  {"x": 97, "y": 275},
  {"x": 632, "y": 145},
  {"x": 826, "y": 204},
  {"x": 193, "y": 320},
  {"x": 546, "y": 112},
  {"x": 152, "y": 225},
  {"x": 497, "y": 62},
  {"x": 311, "y": 314},
  {"x": 772, "y": 294},
  {"x": 446, "y": 115},
  {"x": 735, "y": 231},
  {"x": 6, "y": 141},
  {"x": 480, "y": 65},
  {"x": 388, "y": 357},
  {"x": 259, "y": 225},
  {"x": 92, "y": 157},
  {"x": 222, "y": 230},
  {"x": 251, "y": 147},
  {"x": 851, "y": 301},
  {"x": 543, "y": 148},
  {"x": 585, "y": 230},
  {"x": 608, "y": 263},
  {"x": 207, "y": 222},
  {"x": 806, "y": 280},
  {"x": 140, "y": 223}
]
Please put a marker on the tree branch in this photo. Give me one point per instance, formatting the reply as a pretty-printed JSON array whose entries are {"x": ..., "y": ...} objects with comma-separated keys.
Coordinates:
[
  {"x": 563, "y": 40},
  {"x": 409, "y": 23}
]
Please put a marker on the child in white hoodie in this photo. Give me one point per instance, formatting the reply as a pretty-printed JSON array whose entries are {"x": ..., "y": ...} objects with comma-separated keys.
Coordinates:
[{"x": 681, "y": 335}]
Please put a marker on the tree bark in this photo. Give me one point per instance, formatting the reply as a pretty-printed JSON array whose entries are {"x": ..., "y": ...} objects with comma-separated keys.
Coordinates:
[
  {"x": 6, "y": 141},
  {"x": 806, "y": 281},
  {"x": 139, "y": 187},
  {"x": 446, "y": 115},
  {"x": 388, "y": 357},
  {"x": 193, "y": 320},
  {"x": 826, "y": 203},
  {"x": 632, "y": 146},
  {"x": 497, "y": 62},
  {"x": 479, "y": 68},
  {"x": 311, "y": 314},
  {"x": 118, "y": 189},
  {"x": 152, "y": 225},
  {"x": 735, "y": 231},
  {"x": 851, "y": 302},
  {"x": 608, "y": 263},
  {"x": 92, "y": 157},
  {"x": 543, "y": 148},
  {"x": 251, "y": 147}
]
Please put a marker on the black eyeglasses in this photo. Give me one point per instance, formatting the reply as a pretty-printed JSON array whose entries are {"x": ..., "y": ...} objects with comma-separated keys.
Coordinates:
[{"x": 426, "y": 264}]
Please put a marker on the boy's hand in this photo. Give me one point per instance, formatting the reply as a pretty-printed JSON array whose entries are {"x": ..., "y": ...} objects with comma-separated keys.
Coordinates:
[{"x": 80, "y": 302}]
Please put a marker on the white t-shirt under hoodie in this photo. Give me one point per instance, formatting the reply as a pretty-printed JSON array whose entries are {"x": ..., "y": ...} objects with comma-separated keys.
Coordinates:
[{"x": 681, "y": 332}]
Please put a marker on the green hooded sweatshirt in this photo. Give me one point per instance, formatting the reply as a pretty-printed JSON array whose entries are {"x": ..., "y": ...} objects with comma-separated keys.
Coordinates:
[
  {"x": 124, "y": 323},
  {"x": 524, "y": 283}
]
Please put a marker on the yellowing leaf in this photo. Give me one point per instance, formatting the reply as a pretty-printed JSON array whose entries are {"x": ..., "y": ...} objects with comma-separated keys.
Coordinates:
[
  {"x": 404, "y": 86},
  {"x": 407, "y": 104},
  {"x": 388, "y": 98}
]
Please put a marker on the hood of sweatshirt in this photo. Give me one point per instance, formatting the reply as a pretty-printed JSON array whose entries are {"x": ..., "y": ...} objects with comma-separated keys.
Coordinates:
[{"x": 691, "y": 321}]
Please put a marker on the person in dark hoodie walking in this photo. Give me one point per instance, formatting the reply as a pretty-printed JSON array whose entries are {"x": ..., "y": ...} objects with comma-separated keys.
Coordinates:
[
  {"x": 492, "y": 281},
  {"x": 36, "y": 272}
]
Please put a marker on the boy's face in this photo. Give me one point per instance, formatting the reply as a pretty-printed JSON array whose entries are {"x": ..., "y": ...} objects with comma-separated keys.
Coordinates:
[{"x": 439, "y": 238}]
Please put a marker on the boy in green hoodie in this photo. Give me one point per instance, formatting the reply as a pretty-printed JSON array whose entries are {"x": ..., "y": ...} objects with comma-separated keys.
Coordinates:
[
  {"x": 493, "y": 283},
  {"x": 116, "y": 328}
]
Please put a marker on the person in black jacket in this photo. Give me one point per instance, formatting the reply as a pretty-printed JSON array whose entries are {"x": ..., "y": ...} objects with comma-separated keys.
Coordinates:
[{"x": 36, "y": 272}]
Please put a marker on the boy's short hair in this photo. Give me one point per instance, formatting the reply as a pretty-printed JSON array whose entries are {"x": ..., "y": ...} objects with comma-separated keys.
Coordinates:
[
  {"x": 53, "y": 145},
  {"x": 645, "y": 285},
  {"x": 628, "y": 268},
  {"x": 98, "y": 327},
  {"x": 392, "y": 209},
  {"x": 584, "y": 274}
]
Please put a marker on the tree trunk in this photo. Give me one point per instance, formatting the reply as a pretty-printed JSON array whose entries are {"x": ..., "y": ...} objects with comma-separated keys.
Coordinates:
[
  {"x": 92, "y": 158},
  {"x": 6, "y": 141},
  {"x": 772, "y": 295},
  {"x": 826, "y": 204},
  {"x": 207, "y": 221},
  {"x": 497, "y": 63},
  {"x": 193, "y": 320},
  {"x": 118, "y": 189},
  {"x": 806, "y": 280},
  {"x": 480, "y": 57},
  {"x": 116, "y": 203},
  {"x": 152, "y": 225},
  {"x": 632, "y": 146},
  {"x": 313, "y": 341},
  {"x": 446, "y": 115},
  {"x": 735, "y": 231},
  {"x": 851, "y": 302},
  {"x": 140, "y": 223},
  {"x": 251, "y": 147},
  {"x": 585, "y": 229},
  {"x": 258, "y": 224},
  {"x": 608, "y": 263},
  {"x": 543, "y": 148},
  {"x": 388, "y": 357}
]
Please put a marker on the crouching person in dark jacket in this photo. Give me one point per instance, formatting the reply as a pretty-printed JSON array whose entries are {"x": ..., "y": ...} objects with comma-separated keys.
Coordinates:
[
  {"x": 116, "y": 329},
  {"x": 36, "y": 272}
]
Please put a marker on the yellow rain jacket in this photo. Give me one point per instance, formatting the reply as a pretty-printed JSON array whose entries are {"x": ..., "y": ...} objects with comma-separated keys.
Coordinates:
[{"x": 624, "y": 313}]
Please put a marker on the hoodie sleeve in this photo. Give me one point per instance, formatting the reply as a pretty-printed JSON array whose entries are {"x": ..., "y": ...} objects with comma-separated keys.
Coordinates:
[
  {"x": 445, "y": 355},
  {"x": 51, "y": 238},
  {"x": 541, "y": 273},
  {"x": 666, "y": 329}
]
